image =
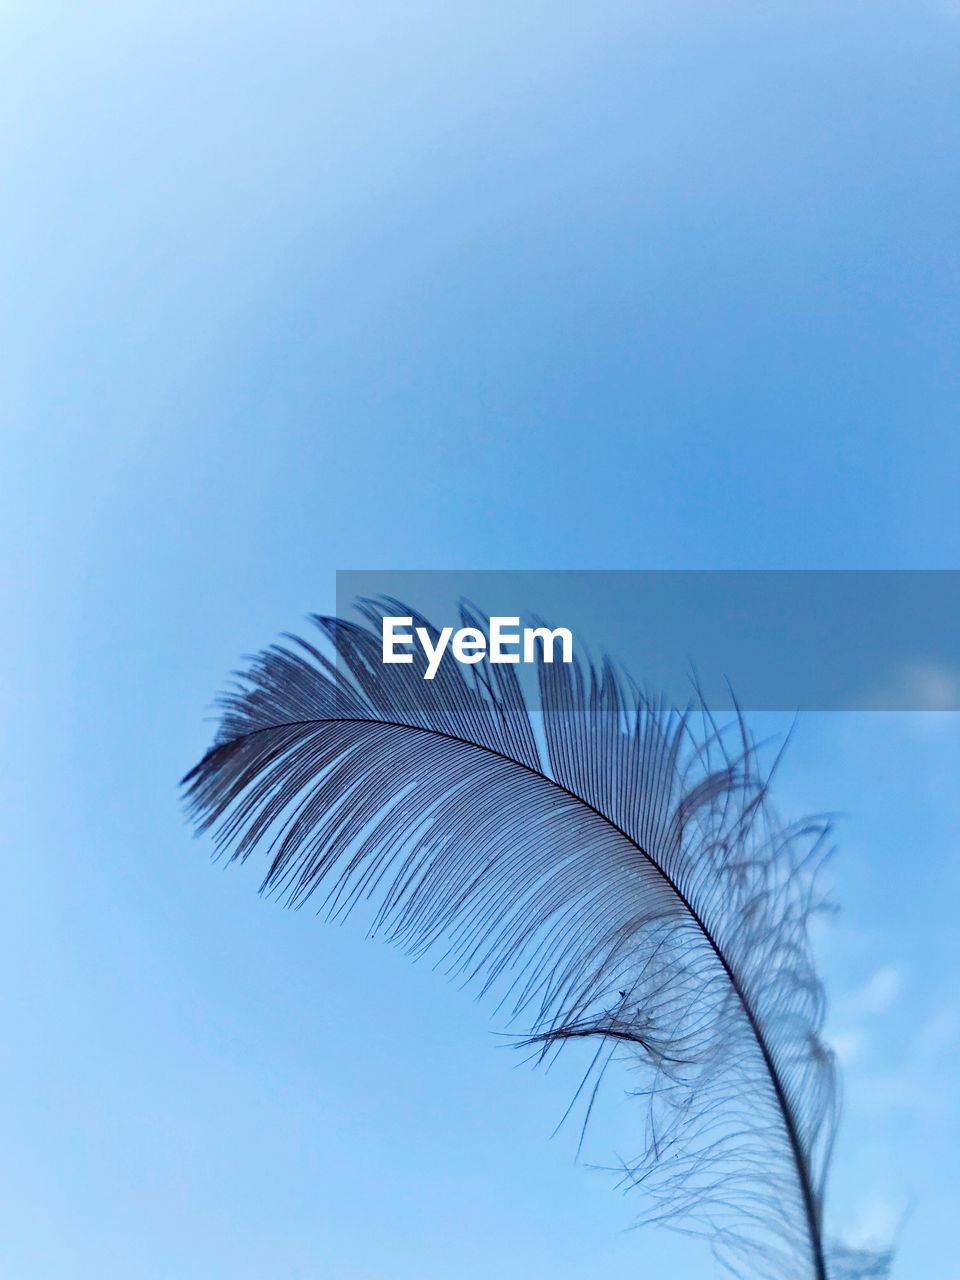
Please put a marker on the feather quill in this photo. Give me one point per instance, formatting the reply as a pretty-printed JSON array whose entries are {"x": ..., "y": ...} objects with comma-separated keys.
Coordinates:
[{"x": 613, "y": 867}]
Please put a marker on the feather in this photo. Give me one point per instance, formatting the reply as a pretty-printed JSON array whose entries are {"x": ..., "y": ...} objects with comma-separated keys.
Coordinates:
[{"x": 612, "y": 867}]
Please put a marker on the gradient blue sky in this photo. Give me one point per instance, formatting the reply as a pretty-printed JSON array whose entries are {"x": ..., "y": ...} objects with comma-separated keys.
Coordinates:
[{"x": 515, "y": 285}]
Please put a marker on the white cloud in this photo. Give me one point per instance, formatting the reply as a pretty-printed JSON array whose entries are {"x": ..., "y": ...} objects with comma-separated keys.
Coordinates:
[
  {"x": 880, "y": 991},
  {"x": 917, "y": 1087},
  {"x": 918, "y": 686},
  {"x": 848, "y": 1045},
  {"x": 875, "y": 1225}
]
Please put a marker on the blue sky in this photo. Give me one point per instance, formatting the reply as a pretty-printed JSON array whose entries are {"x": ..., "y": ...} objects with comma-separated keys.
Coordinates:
[{"x": 525, "y": 285}]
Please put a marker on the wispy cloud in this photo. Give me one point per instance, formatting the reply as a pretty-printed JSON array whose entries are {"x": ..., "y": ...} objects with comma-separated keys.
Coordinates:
[
  {"x": 916, "y": 1086},
  {"x": 880, "y": 991},
  {"x": 875, "y": 1225},
  {"x": 848, "y": 1046},
  {"x": 849, "y": 1037}
]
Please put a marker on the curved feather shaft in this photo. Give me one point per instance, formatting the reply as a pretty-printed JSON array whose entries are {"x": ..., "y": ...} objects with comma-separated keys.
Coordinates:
[{"x": 612, "y": 847}]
